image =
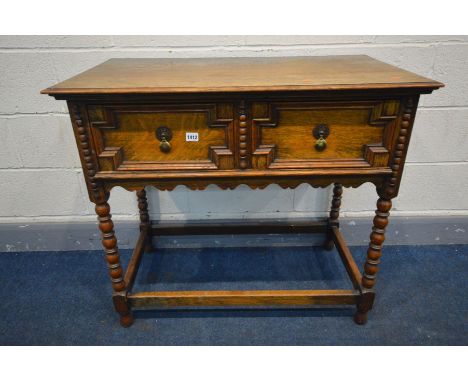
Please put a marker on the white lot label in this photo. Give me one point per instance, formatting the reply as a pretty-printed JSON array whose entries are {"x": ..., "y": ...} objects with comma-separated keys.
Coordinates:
[{"x": 191, "y": 137}]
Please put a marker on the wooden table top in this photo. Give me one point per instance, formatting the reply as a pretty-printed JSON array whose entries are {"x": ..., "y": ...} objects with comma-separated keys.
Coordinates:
[{"x": 167, "y": 75}]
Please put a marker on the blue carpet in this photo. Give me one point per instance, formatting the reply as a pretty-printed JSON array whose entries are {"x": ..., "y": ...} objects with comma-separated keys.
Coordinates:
[{"x": 63, "y": 298}]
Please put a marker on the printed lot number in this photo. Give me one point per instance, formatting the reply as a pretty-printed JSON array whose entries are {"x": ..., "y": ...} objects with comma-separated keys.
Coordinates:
[{"x": 191, "y": 137}]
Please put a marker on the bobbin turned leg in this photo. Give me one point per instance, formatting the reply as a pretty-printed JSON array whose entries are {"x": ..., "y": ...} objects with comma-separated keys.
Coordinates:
[
  {"x": 144, "y": 218},
  {"x": 371, "y": 265},
  {"x": 334, "y": 214},
  {"x": 109, "y": 242}
]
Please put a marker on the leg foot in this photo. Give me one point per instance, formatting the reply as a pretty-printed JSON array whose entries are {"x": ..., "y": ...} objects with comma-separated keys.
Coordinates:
[
  {"x": 123, "y": 309},
  {"x": 363, "y": 307},
  {"x": 329, "y": 244},
  {"x": 360, "y": 318},
  {"x": 126, "y": 321}
]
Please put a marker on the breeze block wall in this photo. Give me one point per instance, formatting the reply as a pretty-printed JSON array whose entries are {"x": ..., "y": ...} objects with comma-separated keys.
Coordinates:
[{"x": 40, "y": 174}]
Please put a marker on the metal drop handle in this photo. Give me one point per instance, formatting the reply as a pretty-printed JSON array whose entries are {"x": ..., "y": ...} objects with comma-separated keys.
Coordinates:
[
  {"x": 320, "y": 144},
  {"x": 320, "y": 132},
  {"x": 164, "y": 134}
]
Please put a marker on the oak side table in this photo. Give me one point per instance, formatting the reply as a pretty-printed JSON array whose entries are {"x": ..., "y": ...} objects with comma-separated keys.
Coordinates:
[{"x": 342, "y": 120}]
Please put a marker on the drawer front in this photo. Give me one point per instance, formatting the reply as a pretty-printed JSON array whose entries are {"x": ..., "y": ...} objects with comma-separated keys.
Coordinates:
[
  {"x": 355, "y": 134},
  {"x": 163, "y": 137}
]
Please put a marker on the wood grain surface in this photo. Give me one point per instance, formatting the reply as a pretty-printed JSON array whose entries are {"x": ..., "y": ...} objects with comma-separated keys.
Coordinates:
[
  {"x": 166, "y": 75},
  {"x": 293, "y": 136},
  {"x": 136, "y": 135},
  {"x": 242, "y": 298}
]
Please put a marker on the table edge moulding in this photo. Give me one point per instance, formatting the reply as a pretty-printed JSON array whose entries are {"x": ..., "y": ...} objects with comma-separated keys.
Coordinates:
[{"x": 254, "y": 119}]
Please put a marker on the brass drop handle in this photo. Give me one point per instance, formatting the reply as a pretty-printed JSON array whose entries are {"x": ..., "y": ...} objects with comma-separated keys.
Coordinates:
[
  {"x": 165, "y": 146},
  {"x": 164, "y": 134},
  {"x": 320, "y": 132},
  {"x": 320, "y": 144}
]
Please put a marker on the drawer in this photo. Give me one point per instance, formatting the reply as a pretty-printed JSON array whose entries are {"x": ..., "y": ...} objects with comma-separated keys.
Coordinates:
[
  {"x": 161, "y": 137},
  {"x": 355, "y": 134}
]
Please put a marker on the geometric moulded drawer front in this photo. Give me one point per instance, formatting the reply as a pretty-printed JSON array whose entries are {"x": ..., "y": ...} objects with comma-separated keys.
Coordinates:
[
  {"x": 354, "y": 134},
  {"x": 158, "y": 136}
]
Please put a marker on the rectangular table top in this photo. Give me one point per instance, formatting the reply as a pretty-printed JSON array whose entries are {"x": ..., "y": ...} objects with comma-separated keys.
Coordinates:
[{"x": 194, "y": 75}]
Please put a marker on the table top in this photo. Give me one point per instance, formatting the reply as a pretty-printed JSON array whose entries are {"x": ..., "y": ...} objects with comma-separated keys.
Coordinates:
[{"x": 181, "y": 75}]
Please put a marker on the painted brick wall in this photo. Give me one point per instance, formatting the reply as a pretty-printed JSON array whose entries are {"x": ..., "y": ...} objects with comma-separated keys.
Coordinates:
[{"x": 40, "y": 173}]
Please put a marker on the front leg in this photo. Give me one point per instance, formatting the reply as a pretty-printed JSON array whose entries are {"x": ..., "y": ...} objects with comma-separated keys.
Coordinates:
[
  {"x": 371, "y": 265},
  {"x": 109, "y": 242}
]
